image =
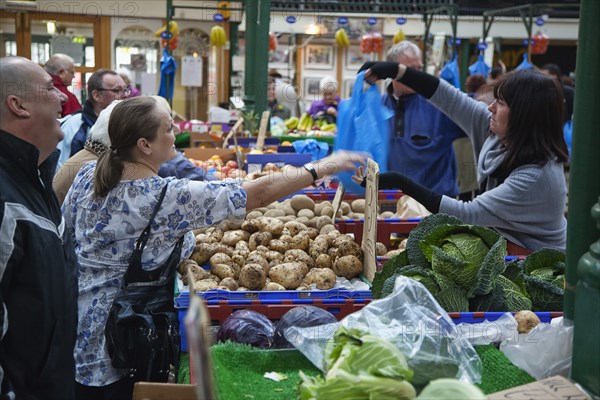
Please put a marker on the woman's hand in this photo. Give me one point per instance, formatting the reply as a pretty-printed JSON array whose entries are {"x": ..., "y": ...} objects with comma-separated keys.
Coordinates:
[
  {"x": 359, "y": 175},
  {"x": 382, "y": 70},
  {"x": 332, "y": 111},
  {"x": 341, "y": 161}
]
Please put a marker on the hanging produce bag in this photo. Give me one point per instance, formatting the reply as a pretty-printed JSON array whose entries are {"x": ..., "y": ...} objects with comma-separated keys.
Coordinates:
[
  {"x": 363, "y": 126},
  {"x": 450, "y": 72},
  {"x": 479, "y": 67},
  {"x": 525, "y": 64}
]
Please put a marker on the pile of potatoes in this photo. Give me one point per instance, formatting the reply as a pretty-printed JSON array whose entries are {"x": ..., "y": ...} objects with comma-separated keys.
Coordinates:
[{"x": 287, "y": 245}]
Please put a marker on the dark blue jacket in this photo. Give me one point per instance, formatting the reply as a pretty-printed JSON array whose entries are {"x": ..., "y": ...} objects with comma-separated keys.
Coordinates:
[
  {"x": 423, "y": 150},
  {"x": 38, "y": 272}
]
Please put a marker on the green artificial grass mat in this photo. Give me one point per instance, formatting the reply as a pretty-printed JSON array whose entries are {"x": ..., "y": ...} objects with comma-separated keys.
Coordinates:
[
  {"x": 498, "y": 372},
  {"x": 239, "y": 371}
]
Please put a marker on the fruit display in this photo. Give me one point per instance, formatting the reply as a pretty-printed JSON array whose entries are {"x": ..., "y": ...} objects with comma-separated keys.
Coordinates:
[
  {"x": 218, "y": 37},
  {"x": 309, "y": 126},
  {"x": 215, "y": 166}
]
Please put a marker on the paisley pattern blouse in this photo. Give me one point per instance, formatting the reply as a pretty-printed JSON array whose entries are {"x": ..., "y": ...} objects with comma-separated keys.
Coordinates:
[{"x": 104, "y": 232}]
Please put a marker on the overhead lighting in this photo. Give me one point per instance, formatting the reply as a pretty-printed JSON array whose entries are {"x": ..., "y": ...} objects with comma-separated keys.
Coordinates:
[
  {"x": 315, "y": 29},
  {"x": 51, "y": 27}
]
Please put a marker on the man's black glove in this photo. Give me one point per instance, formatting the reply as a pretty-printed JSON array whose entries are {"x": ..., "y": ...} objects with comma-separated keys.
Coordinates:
[{"x": 381, "y": 69}]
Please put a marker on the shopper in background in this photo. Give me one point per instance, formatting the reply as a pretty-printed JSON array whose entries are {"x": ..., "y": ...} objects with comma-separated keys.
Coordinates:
[
  {"x": 109, "y": 204},
  {"x": 98, "y": 142},
  {"x": 133, "y": 90},
  {"x": 422, "y": 136},
  {"x": 103, "y": 87},
  {"x": 277, "y": 109},
  {"x": 38, "y": 268},
  {"x": 61, "y": 68},
  {"x": 326, "y": 108},
  {"x": 473, "y": 83},
  {"x": 285, "y": 93},
  {"x": 519, "y": 144},
  {"x": 553, "y": 70}
]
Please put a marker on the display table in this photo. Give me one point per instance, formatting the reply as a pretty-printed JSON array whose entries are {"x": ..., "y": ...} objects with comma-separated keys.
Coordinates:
[{"x": 239, "y": 371}]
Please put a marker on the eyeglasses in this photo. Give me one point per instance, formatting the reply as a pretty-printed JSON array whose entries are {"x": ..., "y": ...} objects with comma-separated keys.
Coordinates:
[{"x": 120, "y": 92}]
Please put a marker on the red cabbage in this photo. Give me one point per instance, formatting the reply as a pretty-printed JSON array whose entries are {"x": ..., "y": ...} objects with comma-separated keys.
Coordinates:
[
  {"x": 248, "y": 327},
  {"x": 303, "y": 317}
]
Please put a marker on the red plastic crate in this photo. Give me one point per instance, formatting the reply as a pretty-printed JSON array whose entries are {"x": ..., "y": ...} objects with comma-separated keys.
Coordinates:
[{"x": 219, "y": 312}]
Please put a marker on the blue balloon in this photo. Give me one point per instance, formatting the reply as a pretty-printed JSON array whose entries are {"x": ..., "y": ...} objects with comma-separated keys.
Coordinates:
[
  {"x": 540, "y": 21},
  {"x": 481, "y": 46},
  {"x": 372, "y": 21},
  {"x": 401, "y": 20},
  {"x": 218, "y": 17},
  {"x": 290, "y": 19},
  {"x": 342, "y": 20}
]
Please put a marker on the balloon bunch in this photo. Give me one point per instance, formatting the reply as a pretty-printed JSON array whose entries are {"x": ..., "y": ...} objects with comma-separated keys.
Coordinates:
[{"x": 171, "y": 37}]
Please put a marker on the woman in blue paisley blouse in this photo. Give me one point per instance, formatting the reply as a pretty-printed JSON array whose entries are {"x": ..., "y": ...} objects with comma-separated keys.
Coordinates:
[{"x": 110, "y": 203}]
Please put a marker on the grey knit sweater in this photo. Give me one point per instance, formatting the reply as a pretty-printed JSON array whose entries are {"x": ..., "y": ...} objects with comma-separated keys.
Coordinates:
[{"x": 528, "y": 207}]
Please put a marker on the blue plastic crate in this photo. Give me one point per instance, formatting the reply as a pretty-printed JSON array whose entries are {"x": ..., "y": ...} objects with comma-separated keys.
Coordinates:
[
  {"x": 182, "y": 300},
  {"x": 479, "y": 317}
]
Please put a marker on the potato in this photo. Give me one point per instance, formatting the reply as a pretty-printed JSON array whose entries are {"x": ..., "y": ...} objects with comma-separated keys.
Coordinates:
[
  {"x": 350, "y": 248},
  {"x": 305, "y": 212},
  {"x": 393, "y": 253},
  {"x": 216, "y": 235},
  {"x": 273, "y": 287},
  {"x": 526, "y": 321},
  {"x": 238, "y": 259},
  {"x": 332, "y": 252},
  {"x": 252, "y": 225},
  {"x": 230, "y": 238},
  {"x": 256, "y": 258},
  {"x": 261, "y": 209},
  {"x": 261, "y": 249},
  {"x": 312, "y": 233},
  {"x": 288, "y": 210},
  {"x": 324, "y": 261},
  {"x": 275, "y": 213},
  {"x": 294, "y": 227},
  {"x": 326, "y": 229},
  {"x": 279, "y": 246},
  {"x": 322, "y": 221},
  {"x": 299, "y": 256},
  {"x": 271, "y": 225},
  {"x": 345, "y": 208},
  {"x": 387, "y": 214},
  {"x": 182, "y": 268},
  {"x": 327, "y": 212},
  {"x": 273, "y": 256},
  {"x": 223, "y": 271},
  {"x": 358, "y": 215},
  {"x": 214, "y": 277},
  {"x": 324, "y": 278},
  {"x": 203, "y": 252},
  {"x": 287, "y": 218},
  {"x": 319, "y": 246},
  {"x": 230, "y": 284},
  {"x": 202, "y": 238},
  {"x": 303, "y": 287},
  {"x": 319, "y": 207},
  {"x": 205, "y": 285},
  {"x": 198, "y": 273},
  {"x": 259, "y": 238},
  {"x": 300, "y": 202},
  {"x": 303, "y": 220},
  {"x": 252, "y": 276},
  {"x": 334, "y": 234},
  {"x": 301, "y": 241},
  {"x": 241, "y": 289},
  {"x": 288, "y": 275},
  {"x": 380, "y": 249},
  {"x": 286, "y": 238},
  {"x": 348, "y": 267},
  {"x": 253, "y": 214},
  {"x": 222, "y": 248},
  {"x": 358, "y": 206},
  {"x": 219, "y": 258}
]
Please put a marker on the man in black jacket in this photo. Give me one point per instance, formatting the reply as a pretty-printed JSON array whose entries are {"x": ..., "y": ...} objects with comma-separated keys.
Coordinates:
[{"x": 38, "y": 267}]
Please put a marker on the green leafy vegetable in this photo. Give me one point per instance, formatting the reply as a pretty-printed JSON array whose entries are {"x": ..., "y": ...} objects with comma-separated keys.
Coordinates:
[
  {"x": 389, "y": 269},
  {"x": 415, "y": 256},
  {"x": 360, "y": 366},
  {"x": 506, "y": 296},
  {"x": 545, "y": 279},
  {"x": 472, "y": 256},
  {"x": 445, "y": 388}
]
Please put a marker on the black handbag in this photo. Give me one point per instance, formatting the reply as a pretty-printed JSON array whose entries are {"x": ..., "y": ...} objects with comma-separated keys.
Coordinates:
[{"x": 142, "y": 329}]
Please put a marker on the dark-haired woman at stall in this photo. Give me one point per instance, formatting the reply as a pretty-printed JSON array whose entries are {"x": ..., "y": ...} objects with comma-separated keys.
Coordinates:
[{"x": 519, "y": 146}]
